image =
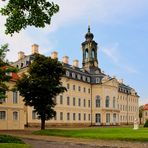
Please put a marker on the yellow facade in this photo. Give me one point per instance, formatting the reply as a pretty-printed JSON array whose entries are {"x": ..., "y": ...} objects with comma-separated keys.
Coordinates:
[
  {"x": 12, "y": 110},
  {"x": 85, "y": 113}
]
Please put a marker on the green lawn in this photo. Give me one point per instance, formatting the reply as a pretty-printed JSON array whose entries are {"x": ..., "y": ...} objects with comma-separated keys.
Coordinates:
[
  {"x": 7, "y": 141},
  {"x": 99, "y": 133}
]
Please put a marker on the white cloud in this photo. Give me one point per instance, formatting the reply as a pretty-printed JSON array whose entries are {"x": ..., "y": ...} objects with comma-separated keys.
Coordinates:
[
  {"x": 114, "y": 54},
  {"x": 72, "y": 11}
]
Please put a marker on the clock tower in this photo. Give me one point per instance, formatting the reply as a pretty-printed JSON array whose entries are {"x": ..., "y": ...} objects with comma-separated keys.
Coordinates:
[{"x": 89, "y": 49}]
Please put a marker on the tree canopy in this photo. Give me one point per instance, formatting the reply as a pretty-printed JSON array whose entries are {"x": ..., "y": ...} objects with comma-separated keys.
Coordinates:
[
  {"x": 41, "y": 85},
  {"x": 23, "y": 13},
  {"x": 5, "y": 69}
]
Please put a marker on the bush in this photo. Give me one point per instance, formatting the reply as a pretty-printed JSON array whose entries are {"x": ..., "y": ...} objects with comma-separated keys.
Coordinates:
[
  {"x": 9, "y": 139},
  {"x": 146, "y": 123}
]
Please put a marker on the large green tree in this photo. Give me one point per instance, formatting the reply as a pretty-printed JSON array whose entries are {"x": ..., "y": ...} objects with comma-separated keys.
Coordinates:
[
  {"x": 23, "y": 13},
  {"x": 41, "y": 85},
  {"x": 5, "y": 69}
]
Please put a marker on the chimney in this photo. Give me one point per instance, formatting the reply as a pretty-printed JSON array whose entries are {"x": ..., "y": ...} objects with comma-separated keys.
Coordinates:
[
  {"x": 76, "y": 63},
  {"x": 65, "y": 59},
  {"x": 54, "y": 55},
  {"x": 35, "y": 48},
  {"x": 121, "y": 81},
  {"x": 21, "y": 55}
]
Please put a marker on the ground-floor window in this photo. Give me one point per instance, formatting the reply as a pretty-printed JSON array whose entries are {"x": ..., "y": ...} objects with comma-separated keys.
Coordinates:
[
  {"x": 114, "y": 118},
  {"x": 68, "y": 116},
  {"x": 15, "y": 115},
  {"x": 98, "y": 118},
  {"x": 61, "y": 115},
  {"x": 107, "y": 118},
  {"x": 2, "y": 115},
  {"x": 33, "y": 114}
]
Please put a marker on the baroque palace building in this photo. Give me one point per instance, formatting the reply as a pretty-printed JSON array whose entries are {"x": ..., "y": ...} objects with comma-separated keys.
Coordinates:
[{"x": 93, "y": 98}]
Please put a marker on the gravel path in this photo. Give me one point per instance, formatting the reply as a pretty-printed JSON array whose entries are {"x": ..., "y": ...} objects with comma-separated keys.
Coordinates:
[
  {"x": 37, "y": 141},
  {"x": 53, "y": 144}
]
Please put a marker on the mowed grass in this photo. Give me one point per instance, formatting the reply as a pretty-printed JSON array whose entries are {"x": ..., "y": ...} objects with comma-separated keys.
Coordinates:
[{"x": 99, "y": 133}]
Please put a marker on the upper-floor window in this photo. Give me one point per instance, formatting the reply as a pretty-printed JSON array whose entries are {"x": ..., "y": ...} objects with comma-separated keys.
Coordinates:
[
  {"x": 88, "y": 103},
  {"x": 98, "y": 101},
  {"x": 74, "y": 101},
  {"x": 84, "y": 102},
  {"x": 107, "y": 101},
  {"x": 61, "y": 99},
  {"x": 114, "y": 102},
  {"x": 79, "y": 102},
  {"x": 79, "y": 88},
  {"x": 15, "y": 97},
  {"x": 2, "y": 115},
  {"x": 68, "y": 101},
  {"x": 84, "y": 89},
  {"x": 15, "y": 115},
  {"x": 67, "y": 73},
  {"x": 68, "y": 86},
  {"x": 89, "y": 90},
  {"x": 74, "y": 87}
]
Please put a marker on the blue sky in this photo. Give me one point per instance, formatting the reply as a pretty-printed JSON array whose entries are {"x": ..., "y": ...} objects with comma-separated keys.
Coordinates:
[{"x": 120, "y": 28}]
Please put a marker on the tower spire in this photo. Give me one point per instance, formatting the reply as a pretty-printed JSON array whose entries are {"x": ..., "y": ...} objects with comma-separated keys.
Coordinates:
[{"x": 88, "y": 28}]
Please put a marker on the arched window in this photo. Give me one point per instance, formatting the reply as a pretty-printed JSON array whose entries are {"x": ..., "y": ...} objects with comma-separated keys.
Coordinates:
[
  {"x": 114, "y": 102},
  {"x": 86, "y": 53},
  {"x": 15, "y": 115},
  {"x": 93, "y": 53},
  {"x": 107, "y": 101},
  {"x": 98, "y": 101}
]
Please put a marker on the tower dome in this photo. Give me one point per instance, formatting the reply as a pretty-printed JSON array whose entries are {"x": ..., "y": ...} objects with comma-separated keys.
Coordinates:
[{"x": 89, "y": 35}]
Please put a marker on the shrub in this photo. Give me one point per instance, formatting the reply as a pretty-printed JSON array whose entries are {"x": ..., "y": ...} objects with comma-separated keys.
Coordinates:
[
  {"x": 146, "y": 123},
  {"x": 9, "y": 139}
]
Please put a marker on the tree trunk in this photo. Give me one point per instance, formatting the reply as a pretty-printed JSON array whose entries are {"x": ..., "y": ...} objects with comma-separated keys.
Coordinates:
[
  {"x": 42, "y": 124},
  {"x": 140, "y": 120}
]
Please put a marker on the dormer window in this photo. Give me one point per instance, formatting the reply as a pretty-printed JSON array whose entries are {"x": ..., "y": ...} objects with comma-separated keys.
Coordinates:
[
  {"x": 67, "y": 73},
  {"x": 79, "y": 76},
  {"x": 73, "y": 75},
  {"x": 84, "y": 78},
  {"x": 88, "y": 79},
  {"x": 22, "y": 64},
  {"x": 97, "y": 80}
]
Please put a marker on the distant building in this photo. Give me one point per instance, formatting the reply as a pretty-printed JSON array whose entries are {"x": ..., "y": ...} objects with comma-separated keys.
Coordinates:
[
  {"x": 93, "y": 97},
  {"x": 145, "y": 113}
]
